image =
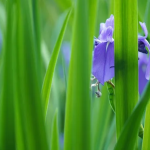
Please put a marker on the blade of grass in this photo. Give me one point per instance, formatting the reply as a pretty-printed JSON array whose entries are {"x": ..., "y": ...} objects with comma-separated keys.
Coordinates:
[
  {"x": 55, "y": 134},
  {"x": 50, "y": 70},
  {"x": 78, "y": 109},
  {"x": 129, "y": 133},
  {"x": 37, "y": 37},
  {"x": 7, "y": 123},
  {"x": 146, "y": 139},
  {"x": 126, "y": 60}
]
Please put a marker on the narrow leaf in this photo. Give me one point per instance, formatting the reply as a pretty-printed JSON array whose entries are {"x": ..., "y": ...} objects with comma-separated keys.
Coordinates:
[
  {"x": 50, "y": 70},
  {"x": 78, "y": 105},
  {"x": 126, "y": 60},
  {"x": 146, "y": 139},
  {"x": 7, "y": 112},
  {"x": 55, "y": 134},
  {"x": 129, "y": 133}
]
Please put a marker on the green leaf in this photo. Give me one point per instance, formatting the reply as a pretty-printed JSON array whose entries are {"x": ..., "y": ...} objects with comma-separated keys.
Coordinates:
[
  {"x": 55, "y": 134},
  {"x": 78, "y": 105},
  {"x": 146, "y": 138},
  {"x": 129, "y": 133},
  {"x": 7, "y": 109},
  {"x": 50, "y": 70},
  {"x": 126, "y": 60}
]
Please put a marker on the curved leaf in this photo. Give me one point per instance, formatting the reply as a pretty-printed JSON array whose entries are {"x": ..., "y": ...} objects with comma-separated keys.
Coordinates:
[{"x": 51, "y": 67}]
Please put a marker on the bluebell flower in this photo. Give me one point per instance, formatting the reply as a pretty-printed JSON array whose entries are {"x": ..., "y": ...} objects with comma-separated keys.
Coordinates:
[
  {"x": 103, "y": 56},
  {"x": 143, "y": 43}
]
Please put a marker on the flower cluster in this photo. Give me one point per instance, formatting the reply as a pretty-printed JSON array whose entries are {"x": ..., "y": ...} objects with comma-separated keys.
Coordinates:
[{"x": 103, "y": 57}]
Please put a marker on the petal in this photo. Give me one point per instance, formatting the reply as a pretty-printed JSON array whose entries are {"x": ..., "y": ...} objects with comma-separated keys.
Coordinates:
[
  {"x": 143, "y": 59},
  {"x": 99, "y": 58},
  {"x": 110, "y": 22},
  {"x": 141, "y": 47},
  {"x": 102, "y": 27},
  {"x": 106, "y": 35},
  {"x": 110, "y": 52},
  {"x": 142, "y": 79},
  {"x": 142, "y": 64},
  {"x": 148, "y": 70},
  {"x": 145, "y": 42},
  {"x": 109, "y": 65},
  {"x": 143, "y": 25}
]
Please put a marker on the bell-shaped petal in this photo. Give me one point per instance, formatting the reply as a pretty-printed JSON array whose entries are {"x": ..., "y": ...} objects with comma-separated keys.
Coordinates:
[
  {"x": 142, "y": 64},
  {"x": 102, "y": 27},
  {"x": 99, "y": 58},
  {"x": 109, "y": 64},
  {"x": 110, "y": 22}
]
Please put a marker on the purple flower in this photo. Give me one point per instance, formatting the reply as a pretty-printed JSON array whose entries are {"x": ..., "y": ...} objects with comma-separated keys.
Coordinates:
[
  {"x": 103, "y": 58},
  {"x": 143, "y": 60},
  {"x": 142, "y": 48}
]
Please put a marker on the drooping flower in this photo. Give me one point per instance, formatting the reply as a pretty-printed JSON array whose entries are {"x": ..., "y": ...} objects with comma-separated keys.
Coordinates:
[
  {"x": 103, "y": 58},
  {"x": 143, "y": 43}
]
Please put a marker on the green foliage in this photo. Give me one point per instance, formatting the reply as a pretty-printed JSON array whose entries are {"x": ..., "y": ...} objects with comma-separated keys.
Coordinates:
[{"x": 129, "y": 133}]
